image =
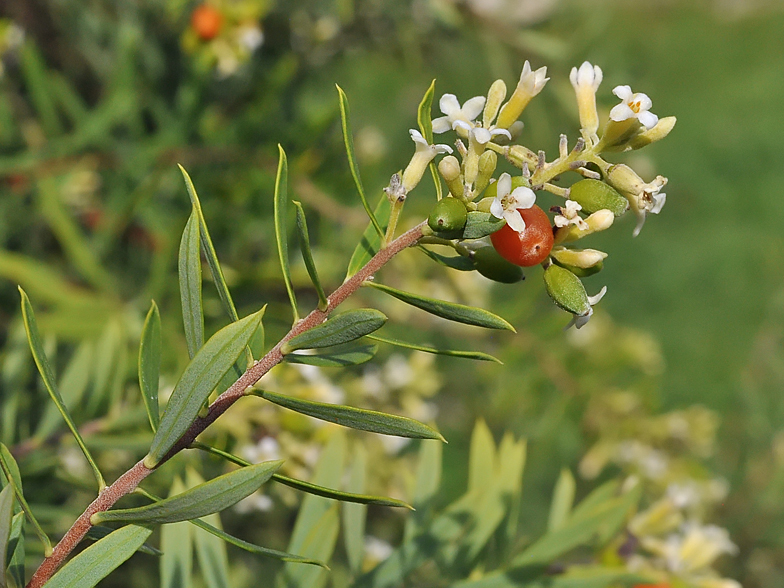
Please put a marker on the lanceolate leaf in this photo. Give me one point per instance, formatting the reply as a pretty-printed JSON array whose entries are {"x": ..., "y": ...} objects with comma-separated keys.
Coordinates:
[
  {"x": 16, "y": 550},
  {"x": 370, "y": 243},
  {"x": 355, "y": 418},
  {"x": 201, "y": 375},
  {"x": 309, "y": 487},
  {"x": 98, "y": 532},
  {"x": 176, "y": 565},
  {"x": 307, "y": 254},
  {"x": 563, "y": 496},
  {"x": 190, "y": 285},
  {"x": 338, "y": 329},
  {"x": 6, "y": 518},
  {"x": 281, "y": 233},
  {"x": 457, "y": 262},
  {"x": 448, "y": 310},
  {"x": 348, "y": 139},
  {"x": 355, "y": 515},
  {"x": 47, "y": 375},
  {"x": 150, "y": 364},
  {"x": 99, "y": 560},
  {"x": 210, "y": 550},
  {"x": 211, "y": 256},
  {"x": 478, "y": 355},
  {"x": 425, "y": 123},
  {"x": 345, "y": 355},
  {"x": 213, "y": 496}
]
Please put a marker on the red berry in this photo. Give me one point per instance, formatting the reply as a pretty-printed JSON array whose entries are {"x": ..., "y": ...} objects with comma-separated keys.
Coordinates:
[
  {"x": 206, "y": 22},
  {"x": 532, "y": 246}
]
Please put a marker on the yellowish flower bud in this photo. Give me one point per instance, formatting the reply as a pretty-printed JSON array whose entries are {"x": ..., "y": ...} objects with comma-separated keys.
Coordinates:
[
  {"x": 586, "y": 81},
  {"x": 495, "y": 97},
  {"x": 487, "y": 164},
  {"x": 518, "y": 155},
  {"x": 657, "y": 133},
  {"x": 530, "y": 84},
  {"x": 598, "y": 221},
  {"x": 449, "y": 168}
]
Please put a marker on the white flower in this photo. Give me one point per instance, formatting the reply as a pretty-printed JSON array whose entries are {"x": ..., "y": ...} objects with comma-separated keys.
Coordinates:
[
  {"x": 532, "y": 82},
  {"x": 697, "y": 548},
  {"x": 633, "y": 106},
  {"x": 454, "y": 112},
  {"x": 480, "y": 135},
  {"x": 505, "y": 205},
  {"x": 568, "y": 216},
  {"x": 422, "y": 157}
]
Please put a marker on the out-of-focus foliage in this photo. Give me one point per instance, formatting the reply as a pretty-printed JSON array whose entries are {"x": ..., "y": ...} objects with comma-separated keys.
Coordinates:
[{"x": 98, "y": 102}]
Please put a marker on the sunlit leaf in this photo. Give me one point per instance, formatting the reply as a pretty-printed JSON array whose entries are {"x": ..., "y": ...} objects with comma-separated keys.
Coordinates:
[
  {"x": 319, "y": 544},
  {"x": 307, "y": 255},
  {"x": 425, "y": 123},
  {"x": 150, "y": 364},
  {"x": 452, "y": 311},
  {"x": 281, "y": 232},
  {"x": 355, "y": 418},
  {"x": 213, "y": 496},
  {"x": 354, "y": 515},
  {"x": 97, "y": 561},
  {"x": 47, "y": 375},
  {"x": 348, "y": 140},
  {"x": 370, "y": 243},
  {"x": 478, "y": 355},
  {"x": 345, "y": 355},
  {"x": 563, "y": 496},
  {"x": 189, "y": 265},
  {"x": 201, "y": 375},
  {"x": 481, "y": 457},
  {"x": 340, "y": 328},
  {"x": 6, "y": 519}
]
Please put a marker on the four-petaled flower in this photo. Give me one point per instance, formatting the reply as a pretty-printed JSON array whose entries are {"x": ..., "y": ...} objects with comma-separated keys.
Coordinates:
[
  {"x": 425, "y": 152},
  {"x": 568, "y": 215},
  {"x": 479, "y": 134},
  {"x": 633, "y": 106},
  {"x": 454, "y": 112},
  {"x": 505, "y": 204}
]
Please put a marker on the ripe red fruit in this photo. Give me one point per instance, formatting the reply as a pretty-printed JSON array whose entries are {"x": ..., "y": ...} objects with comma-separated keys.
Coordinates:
[
  {"x": 206, "y": 22},
  {"x": 532, "y": 246}
]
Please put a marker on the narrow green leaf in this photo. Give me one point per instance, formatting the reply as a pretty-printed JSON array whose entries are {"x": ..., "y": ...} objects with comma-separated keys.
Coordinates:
[
  {"x": 348, "y": 140},
  {"x": 425, "y": 123},
  {"x": 150, "y": 364},
  {"x": 452, "y": 311},
  {"x": 307, "y": 255},
  {"x": 213, "y": 496},
  {"x": 370, "y": 243},
  {"x": 211, "y": 256},
  {"x": 340, "y": 328},
  {"x": 250, "y": 547},
  {"x": 481, "y": 457},
  {"x": 47, "y": 375},
  {"x": 354, "y": 515},
  {"x": 457, "y": 262},
  {"x": 38, "y": 88},
  {"x": 97, "y": 561},
  {"x": 350, "y": 354},
  {"x": 281, "y": 232},
  {"x": 563, "y": 497},
  {"x": 201, "y": 375},
  {"x": 98, "y": 532},
  {"x": 309, "y": 487},
  {"x": 176, "y": 565},
  {"x": 189, "y": 264},
  {"x": 481, "y": 224},
  {"x": 6, "y": 519},
  {"x": 596, "y": 498},
  {"x": 355, "y": 418},
  {"x": 16, "y": 552},
  {"x": 73, "y": 383},
  {"x": 210, "y": 550},
  {"x": 478, "y": 355},
  {"x": 319, "y": 545}
]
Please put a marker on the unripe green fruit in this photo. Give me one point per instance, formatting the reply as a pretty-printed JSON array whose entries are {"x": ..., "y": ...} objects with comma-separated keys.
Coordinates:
[
  {"x": 448, "y": 215},
  {"x": 566, "y": 290},
  {"x": 491, "y": 265},
  {"x": 581, "y": 272},
  {"x": 595, "y": 195}
]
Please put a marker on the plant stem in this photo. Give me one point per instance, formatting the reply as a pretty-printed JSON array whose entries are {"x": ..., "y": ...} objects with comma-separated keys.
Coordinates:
[{"x": 128, "y": 482}]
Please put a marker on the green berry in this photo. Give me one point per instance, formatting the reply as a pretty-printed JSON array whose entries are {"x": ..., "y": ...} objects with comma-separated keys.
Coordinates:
[{"x": 448, "y": 215}]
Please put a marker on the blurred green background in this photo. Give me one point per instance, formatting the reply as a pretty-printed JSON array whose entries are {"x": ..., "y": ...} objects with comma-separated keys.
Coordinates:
[{"x": 102, "y": 99}]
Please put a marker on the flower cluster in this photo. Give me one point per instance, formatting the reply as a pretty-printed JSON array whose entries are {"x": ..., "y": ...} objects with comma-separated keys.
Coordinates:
[{"x": 504, "y": 207}]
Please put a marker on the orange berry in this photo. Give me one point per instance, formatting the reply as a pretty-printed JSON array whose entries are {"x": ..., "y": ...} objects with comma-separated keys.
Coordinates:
[
  {"x": 206, "y": 22},
  {"x": 532, "y": 246}
]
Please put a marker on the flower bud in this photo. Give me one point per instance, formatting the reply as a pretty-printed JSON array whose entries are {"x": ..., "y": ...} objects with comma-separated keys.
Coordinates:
[
  {"x": 518, "y": 155},
  {"x": 530, "y": 84},
  {"x": 491, "y": 265},
  {"x": 487, "y": 164},
  {"x": 448, "y": 215},
  {"x": 598, "y": 221},
  {"x": 586, "y": 81},
  {"x": 581, "y": 262},
  {"x": 657, "y": 133},
  {"x": 495, "y": 96},
  {"x": 449, "y": 168},
  {"x": 595, "y": 195}
]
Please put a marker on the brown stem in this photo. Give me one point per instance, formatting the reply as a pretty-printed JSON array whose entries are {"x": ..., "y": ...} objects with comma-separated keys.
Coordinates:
[{"x": 128, "y": 482}]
